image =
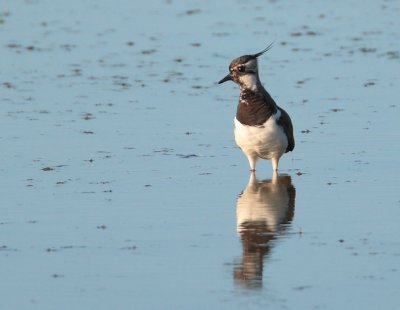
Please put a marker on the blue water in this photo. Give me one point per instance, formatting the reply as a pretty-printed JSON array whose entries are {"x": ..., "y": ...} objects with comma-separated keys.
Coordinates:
[{"x": 121, "y": 183}]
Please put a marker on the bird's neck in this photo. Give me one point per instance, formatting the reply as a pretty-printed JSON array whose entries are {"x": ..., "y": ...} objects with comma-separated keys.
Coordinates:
[{"x": 251, "y": 82}]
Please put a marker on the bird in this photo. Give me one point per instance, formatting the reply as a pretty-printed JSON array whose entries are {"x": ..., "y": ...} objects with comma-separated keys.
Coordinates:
[{"x": 262, "y": 128}]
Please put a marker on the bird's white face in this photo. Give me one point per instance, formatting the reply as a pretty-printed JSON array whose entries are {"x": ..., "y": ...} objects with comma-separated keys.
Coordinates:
[
  {"x": 248, "y": 81},
  {"x": 245, "y": 74}
]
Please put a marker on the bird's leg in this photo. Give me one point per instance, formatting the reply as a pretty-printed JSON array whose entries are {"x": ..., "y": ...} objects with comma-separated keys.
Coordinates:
[
  {"x": 275, "y": 162},
  {"x": 252, "y": 162}
]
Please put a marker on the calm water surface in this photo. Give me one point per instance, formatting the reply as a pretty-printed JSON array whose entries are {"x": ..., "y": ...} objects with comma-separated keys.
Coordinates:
[{"x": 121, "y": 184}]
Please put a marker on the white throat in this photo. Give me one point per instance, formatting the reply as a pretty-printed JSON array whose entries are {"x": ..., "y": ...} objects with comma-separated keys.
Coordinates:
[{"x": 249, "y": 81}]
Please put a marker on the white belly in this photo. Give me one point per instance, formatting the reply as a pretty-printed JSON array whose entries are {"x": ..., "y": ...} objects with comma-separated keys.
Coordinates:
[{"x": 265, "y": 141}]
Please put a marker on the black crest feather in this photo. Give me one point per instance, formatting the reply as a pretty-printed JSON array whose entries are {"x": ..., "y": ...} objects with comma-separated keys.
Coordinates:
[{"x": 263, "y": 51}]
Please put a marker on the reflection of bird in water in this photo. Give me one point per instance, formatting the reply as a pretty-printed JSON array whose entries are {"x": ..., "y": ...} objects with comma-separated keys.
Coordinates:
[{"x": 263, "y": 209}]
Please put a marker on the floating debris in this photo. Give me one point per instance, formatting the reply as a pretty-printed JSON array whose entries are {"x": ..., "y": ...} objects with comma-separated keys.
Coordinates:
[
  {"x": 87, "y": 116},
  {"x": 48, "y": 169},
  {"x": 368, "y": 84},
  {"x": 393, "y": 54},
  {"x": 52, "y": 168},
  {"x": 129, "y": 248},
  {"x": 9, "y": 85},
  {"x": 13, "y": 45},
  {"x": 148, "y": 52},
  {"x": 187, "y": 155},
  {"x": 368, "y": 50},
  {"x": 192, "y": 12}
]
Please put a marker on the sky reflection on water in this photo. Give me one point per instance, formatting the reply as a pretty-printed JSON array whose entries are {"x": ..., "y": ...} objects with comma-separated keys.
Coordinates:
[{"x": 120, "y": 175}]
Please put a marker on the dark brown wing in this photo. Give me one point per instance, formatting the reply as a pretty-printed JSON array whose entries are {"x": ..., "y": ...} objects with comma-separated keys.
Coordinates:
[{"x": 286, "y": 123}]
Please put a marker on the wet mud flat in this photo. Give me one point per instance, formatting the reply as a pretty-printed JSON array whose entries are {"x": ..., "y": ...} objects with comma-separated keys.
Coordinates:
[{"x": 121, "y": 183}]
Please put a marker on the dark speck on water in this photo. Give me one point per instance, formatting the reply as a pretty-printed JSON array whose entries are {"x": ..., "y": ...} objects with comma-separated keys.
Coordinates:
[
  {"x": 187, "y": 155},
  {"x": 192, "y": 12},
  {"x": 368, "y": 84},
  {"x": 148, "y": 52},
  {"x": 9, "y": 85},
  {"x": 48, "y": 169},
  {"x": 368, "y": 50},
  {"x": 87, "y": 116}
]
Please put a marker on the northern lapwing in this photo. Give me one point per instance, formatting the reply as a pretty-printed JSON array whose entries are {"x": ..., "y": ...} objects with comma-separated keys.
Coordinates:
[{"x": 262, "y": 128}]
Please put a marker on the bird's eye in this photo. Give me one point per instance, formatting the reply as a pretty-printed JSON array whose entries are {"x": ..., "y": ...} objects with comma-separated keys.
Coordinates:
[{"x": 241, "y": 68}]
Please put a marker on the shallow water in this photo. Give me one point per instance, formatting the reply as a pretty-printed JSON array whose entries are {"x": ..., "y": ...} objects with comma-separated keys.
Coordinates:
[{"x": 122, "y": 186}]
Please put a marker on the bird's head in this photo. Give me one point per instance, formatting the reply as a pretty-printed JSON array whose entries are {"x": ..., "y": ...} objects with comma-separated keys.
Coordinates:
[{"x": 244, "y": 70}]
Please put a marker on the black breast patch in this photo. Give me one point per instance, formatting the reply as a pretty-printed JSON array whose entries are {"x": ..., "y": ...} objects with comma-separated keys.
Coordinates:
[{"x": 255, "y": 107}]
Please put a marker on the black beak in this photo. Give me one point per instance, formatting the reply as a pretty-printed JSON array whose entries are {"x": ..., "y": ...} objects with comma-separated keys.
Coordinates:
[{"x": 227, "y": 78}]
